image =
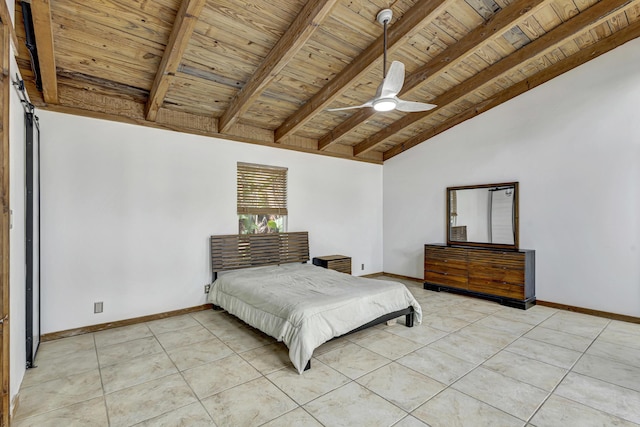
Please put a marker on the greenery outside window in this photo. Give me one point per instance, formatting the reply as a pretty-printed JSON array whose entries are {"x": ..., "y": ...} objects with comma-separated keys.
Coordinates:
[{"x": 262, "y": 198}]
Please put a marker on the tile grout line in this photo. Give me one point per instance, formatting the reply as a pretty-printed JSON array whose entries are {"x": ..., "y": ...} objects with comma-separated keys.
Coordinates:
[
  {"x": 104, "y": 394},
  {"x": 480, "y": 365},
  {"x": 390, "y": 361},
  {"x": 566, "y": 374}
]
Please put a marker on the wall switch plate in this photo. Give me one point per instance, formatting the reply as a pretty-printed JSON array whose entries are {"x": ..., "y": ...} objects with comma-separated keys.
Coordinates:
[
  {"x": 97, "y": 307},
  {"x": 362, "y": 268},
  {"x": 207, "y": 288}
]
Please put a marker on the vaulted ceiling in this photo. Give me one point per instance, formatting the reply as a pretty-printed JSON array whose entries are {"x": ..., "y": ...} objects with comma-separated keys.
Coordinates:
[{"x": 266, "y": 72}]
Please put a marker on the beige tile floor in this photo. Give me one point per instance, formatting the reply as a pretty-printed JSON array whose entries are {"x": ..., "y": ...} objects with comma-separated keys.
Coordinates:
[{"x": 470, "y": 363}]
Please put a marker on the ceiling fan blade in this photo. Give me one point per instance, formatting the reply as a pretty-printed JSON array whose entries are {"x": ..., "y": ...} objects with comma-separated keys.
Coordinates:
[
  {"x": 366, "y": 104},
  {"x": 412, "y": 107},
  {"x": 392, "y": 84}
]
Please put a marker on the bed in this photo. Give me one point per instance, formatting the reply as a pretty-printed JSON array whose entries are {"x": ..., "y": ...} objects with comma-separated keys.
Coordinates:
[{"x": 266, "y": 282}]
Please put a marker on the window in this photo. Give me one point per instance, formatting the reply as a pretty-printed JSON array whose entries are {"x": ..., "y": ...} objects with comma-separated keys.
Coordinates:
[{"x": 262, "y": 198}]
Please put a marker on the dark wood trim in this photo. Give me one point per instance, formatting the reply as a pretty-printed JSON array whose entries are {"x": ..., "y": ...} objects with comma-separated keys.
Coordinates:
[
  {"x": 119, "y": 323},
  {"x": 5, "y": 17},
  {"x": 606, "y": 314},
  {"x": 399, "y": 276},
  {"x": 372, "y": 275},
  {"x": 5, "y": 224}
]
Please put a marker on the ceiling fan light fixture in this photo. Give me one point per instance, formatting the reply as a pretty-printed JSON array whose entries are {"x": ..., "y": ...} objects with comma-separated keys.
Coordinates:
[
  {"x": 386, "y": 98},
  {"x": 384, "y": 104}
]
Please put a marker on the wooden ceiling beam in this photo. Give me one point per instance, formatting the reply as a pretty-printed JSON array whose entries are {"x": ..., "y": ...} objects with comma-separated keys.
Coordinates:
[
  {"x": 183, "y": 27},
  {"x": 95, "y": 104},
  {"x": 603, "y": 46},
  {"x": 587, "y": 18},
  {"x": 5, "y": 17},
  {"x": 41, "y": 14},
  {"x": 412, "y": 20},
  {"x": 504, "y": 19},
  {"x": 300, "y": 31}
]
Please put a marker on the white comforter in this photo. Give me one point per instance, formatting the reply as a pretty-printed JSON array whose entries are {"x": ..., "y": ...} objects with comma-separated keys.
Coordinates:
[{"x": 304, "y": 305}]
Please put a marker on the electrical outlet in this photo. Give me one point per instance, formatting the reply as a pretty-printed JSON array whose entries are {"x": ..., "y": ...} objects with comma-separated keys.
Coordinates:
[
  {"x": 362, "y": 268},
  {"x": 97, "y": 307},
  {"x": 207, "y": 288}
]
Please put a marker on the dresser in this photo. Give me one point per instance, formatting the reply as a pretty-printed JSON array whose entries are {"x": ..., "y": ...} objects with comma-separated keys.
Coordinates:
[
  {"x": 505, "y": 276},
  {"x": 334, "y": 262}
]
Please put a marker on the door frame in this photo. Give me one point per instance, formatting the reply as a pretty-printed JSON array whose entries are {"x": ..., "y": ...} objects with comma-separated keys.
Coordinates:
[{"x": 5, "y": 222}]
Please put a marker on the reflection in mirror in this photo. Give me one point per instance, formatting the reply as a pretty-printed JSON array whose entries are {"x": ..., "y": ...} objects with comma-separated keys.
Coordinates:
[{"x": 484, "y": 215}]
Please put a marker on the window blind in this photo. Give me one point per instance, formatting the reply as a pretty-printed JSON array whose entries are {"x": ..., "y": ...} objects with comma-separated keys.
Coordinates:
[{"x": 262, "y": 189}]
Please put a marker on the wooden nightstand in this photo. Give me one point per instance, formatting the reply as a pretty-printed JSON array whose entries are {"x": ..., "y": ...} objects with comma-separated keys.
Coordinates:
[{"x": 334, "y": 262}]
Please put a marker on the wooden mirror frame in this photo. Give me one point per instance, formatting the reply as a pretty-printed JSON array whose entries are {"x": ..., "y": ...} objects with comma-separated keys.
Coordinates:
[{"x": 516, "y": 225}]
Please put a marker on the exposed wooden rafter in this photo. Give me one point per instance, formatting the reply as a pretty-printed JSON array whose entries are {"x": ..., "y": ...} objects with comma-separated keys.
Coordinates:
[
  {"x": 555, "y": 37},
  {"x": 183, "y": 26},
  {"x": 504, "y": 19},
  {"x": 41, "y": 13},
  {"x": 603, "y": 46},
  {"x": 411, "y": 21},
  {"x": 307, "y": 21},
  {"x": 242, "y": 75}
]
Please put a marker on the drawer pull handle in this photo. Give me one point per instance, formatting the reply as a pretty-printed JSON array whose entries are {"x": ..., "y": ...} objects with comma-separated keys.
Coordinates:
[
  {"x": 446, "y": 274},
  {"x": 445, "y": 260}
]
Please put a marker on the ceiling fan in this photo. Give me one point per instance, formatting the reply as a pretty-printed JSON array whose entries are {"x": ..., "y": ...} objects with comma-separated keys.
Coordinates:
[{"x": 386, "y": 96}]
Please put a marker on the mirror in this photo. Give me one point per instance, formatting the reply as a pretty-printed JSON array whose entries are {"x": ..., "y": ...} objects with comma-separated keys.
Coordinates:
[{"x": 483, "y": 215}]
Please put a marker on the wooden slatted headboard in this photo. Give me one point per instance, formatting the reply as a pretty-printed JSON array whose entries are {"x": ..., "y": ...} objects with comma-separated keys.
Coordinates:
[{"x": 230, "y": 252}]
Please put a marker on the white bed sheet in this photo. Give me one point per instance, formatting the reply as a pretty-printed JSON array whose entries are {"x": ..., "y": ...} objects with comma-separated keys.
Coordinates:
[{"x": 304, "y": 305}]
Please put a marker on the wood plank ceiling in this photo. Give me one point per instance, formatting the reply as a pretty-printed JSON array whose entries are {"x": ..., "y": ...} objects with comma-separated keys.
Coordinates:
[{"x": 266, "y": 72}]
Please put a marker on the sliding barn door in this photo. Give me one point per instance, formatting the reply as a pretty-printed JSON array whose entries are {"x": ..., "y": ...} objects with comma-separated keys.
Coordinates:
[{"x": 32, "y": 235}]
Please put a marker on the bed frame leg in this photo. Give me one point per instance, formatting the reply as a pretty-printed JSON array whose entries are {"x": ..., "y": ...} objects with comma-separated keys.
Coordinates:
[
  {"x": 409, "y": 320},
  {"x": 217, "y": 307},
  {"x": 306, "y": 368}
]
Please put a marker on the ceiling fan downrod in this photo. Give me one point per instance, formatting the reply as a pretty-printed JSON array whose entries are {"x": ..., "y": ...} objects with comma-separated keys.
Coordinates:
[{"x": 384, "y": 17}]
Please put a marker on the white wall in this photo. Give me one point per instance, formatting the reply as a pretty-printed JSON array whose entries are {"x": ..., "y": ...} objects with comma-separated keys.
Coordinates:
[
  {"x": 127, "y": 212},
  {"x": 17, "y": 259},
  {"x": 574, "y": 146},
  {"x": 17, "y": 297}
]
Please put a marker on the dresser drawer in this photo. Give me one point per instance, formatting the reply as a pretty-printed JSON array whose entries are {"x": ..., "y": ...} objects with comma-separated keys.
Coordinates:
[
  {"x": 339, "y": 263},
  {"x": 500, "y": 274},
  {"x": 497, "y": 259},
  {"x": 495, "y": 287},
  {"x": 443, "y": 253},
  {"x": 446, "y": 279},
  {"x": 343, "y": 265},
  {"x": 445, "y": 266}
]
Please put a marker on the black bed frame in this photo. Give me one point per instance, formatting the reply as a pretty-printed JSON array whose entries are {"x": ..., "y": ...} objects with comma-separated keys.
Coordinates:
[{"x": 230, "y": 252}]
